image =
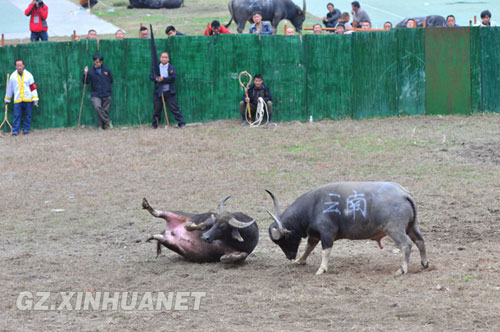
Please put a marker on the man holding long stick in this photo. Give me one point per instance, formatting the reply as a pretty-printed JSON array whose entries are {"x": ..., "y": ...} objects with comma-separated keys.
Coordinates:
[
  {"x": 22, "y": 86},
  {"x": 164, "y": 92}
]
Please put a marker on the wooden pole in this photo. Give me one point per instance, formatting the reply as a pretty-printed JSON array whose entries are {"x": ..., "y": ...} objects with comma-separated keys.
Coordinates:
[
  {"x": 284, "y": 31},
  {"x": 74, "y": 35},
  {"x": 425, "y": 23},
  {"x": 140, "y": 26},
  {"x": 475, "y": 19},
  {"x": 3, "y": 40}
]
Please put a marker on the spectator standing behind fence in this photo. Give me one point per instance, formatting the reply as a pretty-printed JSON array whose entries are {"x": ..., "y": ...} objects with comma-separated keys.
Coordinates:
[
  {"x": 359, "y": 14},
  {"x": 101, "y": 80},
  {"x": 171, "y": 31},
  {"x": 486, "y": 19},
  {"x": 330, "y": 21},
  {"x": 38, "y": 21},
  {"x": 255, "y": 90},
  {"x": 387, "y": 25},
  {"x": 216, "y": 29},
  {"x": 119, "y": 35},
  {"x": 263, "y": 28},
  {"x": 317, "y": 30},
  {"x": 92, "y": 34},
  {"x": 143, "y": 33},
  {"x": 22, "y": 86},
  {"x": 340, "y": 29},
  {"x": 450, "y": 22},
  {"x": 164, "y": 92},
  {"x": 411, "y": 23}
]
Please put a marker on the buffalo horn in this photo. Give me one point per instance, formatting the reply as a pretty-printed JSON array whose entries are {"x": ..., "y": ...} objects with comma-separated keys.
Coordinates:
[
  {"x": 240, "y": 224},
  {"x": 220, "y": 207}
]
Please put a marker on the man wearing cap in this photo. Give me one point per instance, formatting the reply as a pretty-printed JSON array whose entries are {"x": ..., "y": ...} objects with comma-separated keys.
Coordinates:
[
  {"x": 100, "y": 80},
  {"x": 263, "y": 28}
]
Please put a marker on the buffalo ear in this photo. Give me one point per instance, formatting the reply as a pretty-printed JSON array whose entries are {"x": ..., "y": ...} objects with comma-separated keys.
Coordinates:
[
  {"x": 275, "y": 234},
  {"x": 236, "y": 235}
]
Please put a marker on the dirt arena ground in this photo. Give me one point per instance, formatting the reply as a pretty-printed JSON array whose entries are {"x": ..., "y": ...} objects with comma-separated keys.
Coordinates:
[{"x": 71, "y": 220}]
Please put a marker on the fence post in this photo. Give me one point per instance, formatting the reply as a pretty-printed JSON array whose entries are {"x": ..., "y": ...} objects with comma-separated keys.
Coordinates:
[
  {"x": 3, "y": 40},
  {"x": 284, "y": 31}
]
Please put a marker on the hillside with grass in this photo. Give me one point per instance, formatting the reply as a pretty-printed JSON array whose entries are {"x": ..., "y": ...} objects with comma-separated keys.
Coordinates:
[{"x": 191, "y": 19}]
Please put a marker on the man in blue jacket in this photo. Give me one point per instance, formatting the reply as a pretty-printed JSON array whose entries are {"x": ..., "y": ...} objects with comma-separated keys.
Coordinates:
[
  {"x": 101, "y": 80},
  {"x": 260, "y": 27},
  {"x": 165, "y": 86}
]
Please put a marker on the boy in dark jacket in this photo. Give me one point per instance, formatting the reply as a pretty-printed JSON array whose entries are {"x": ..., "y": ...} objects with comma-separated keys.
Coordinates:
[{"x": 255, "y": 91}]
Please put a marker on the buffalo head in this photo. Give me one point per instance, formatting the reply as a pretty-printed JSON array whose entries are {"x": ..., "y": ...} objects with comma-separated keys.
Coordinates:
[
  {"x": 299, "y": 18},
  {"x": 288, "y": 240},
  {"x": 225, "y": 225}
]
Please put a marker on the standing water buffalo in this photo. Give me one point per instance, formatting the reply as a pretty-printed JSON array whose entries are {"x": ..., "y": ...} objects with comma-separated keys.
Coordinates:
[
  {"x": 207, "y": 237},
  {"x": 348, "y": 210},
  {"x": 272, "y": 10}
]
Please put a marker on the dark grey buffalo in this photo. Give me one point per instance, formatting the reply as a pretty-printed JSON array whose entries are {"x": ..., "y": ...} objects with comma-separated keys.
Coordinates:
[
  {"x": 348, "y": 210},
  {"x": 207, "y": 237},
  {"x": 272, "y": 10},
  {"x": 155, "y": 4},
  {"x": 430, "y": 21}
]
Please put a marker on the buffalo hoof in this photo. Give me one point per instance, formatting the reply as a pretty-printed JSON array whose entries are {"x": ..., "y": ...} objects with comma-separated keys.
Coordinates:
[
  {"x": 234, "y": 257},
  {"x": 145, "y": 204},
  {"x": 300, "y": 262},
  {"x": 321, "y": 270},
  {"x": 425, "y": 264}
]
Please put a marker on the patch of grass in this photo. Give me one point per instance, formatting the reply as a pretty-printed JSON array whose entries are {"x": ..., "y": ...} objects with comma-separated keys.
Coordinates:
[{"x": 191, "y": 19}]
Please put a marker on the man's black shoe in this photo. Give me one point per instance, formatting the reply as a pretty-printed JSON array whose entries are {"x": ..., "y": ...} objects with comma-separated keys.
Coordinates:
[{"x": 181, "y": 125}]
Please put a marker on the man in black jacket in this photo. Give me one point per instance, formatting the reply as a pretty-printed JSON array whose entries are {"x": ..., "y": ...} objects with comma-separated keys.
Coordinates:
[
  {"x": 330, "y": 21},
  {"x": 165, "y": 86},
  {"x": 255, "y": 91},
  {"x": 101, "y": 80}
]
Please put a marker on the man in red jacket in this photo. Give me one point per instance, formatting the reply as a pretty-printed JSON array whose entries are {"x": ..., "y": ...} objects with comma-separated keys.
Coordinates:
[
  {"x": 215, "y": 28},
  {"x": 38, "y": 24}
]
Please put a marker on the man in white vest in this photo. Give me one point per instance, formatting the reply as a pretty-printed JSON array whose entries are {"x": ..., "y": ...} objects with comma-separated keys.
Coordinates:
[{"x": 22, "y": 86}]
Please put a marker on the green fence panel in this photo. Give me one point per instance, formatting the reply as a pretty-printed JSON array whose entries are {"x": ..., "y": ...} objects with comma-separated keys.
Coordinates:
[
  {"x": 490, "y": 69},
  {"x": 194, "y": 82},
  {"x": 329, "y": 76},
  {"x": 411, "y": 71},
  {"x": 284, "y": 72},
  {"x": 448, "y": 72},
  {"x": 233, "y": 56},
  {"x": 475, "y": 70},
  {"x": 139, "y": 88},
  {"x": 375, "y": 69}
]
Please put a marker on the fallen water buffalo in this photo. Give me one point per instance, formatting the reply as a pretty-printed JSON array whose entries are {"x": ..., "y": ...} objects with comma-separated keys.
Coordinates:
[
  {"x": 155, "y": 4},
  {"x": 207, "y": 237},
  {"x": 348, "y": 210},
  {"x": 430, "y": 21},
  {"x": 272, "y": 10}
]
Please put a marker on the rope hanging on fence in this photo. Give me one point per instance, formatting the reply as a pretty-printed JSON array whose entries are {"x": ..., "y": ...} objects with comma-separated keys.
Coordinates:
[
  {"x": 259, "y": 113},
  {"x": 6, "y": 109},
  {"x": 245, "y": 87}
]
